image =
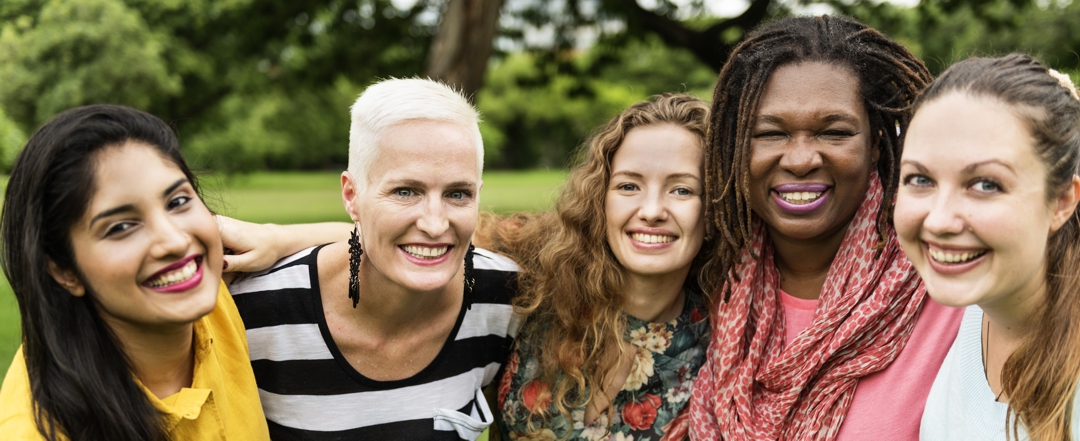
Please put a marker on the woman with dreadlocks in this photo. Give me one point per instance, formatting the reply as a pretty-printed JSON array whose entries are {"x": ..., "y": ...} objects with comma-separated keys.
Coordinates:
[{"x": 823, "y": 330}]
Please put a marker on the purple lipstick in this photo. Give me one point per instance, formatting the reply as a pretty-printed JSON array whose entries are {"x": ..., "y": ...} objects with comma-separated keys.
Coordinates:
[{"x": 800, "y": 207}]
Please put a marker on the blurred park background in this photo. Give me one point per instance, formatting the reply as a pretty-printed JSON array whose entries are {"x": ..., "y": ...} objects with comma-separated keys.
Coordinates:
[{"x": 259, "y": 90}]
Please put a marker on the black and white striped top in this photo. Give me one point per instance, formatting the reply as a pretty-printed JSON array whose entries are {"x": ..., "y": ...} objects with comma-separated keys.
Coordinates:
[{"x": 310, "y": 391}]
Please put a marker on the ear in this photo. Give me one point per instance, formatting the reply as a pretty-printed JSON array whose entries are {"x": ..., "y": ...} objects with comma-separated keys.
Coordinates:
[
  {"x": 1065, "y": 205},
  {"x": 348, "y": 195},
  {"x": 66, "y": 279}
]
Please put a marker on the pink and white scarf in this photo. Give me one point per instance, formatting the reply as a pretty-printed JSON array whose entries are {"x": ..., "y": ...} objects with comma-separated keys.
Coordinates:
[{"x": 752, "y": 387}]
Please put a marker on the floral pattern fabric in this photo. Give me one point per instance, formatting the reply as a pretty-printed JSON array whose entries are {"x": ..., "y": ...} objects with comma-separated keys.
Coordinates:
[{"x": 650, "y": 405}]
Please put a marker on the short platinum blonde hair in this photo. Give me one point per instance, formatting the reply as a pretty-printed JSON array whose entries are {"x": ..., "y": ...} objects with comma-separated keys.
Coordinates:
[{"x": 394, "y": 101}]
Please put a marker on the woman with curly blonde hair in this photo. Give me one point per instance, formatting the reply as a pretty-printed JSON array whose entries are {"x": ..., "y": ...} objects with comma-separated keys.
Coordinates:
[{"x": 612, "y": 285}]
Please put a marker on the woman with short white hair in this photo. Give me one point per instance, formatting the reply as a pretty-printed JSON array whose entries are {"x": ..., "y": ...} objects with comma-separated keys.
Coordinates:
[{"x": 394, "y": 333}]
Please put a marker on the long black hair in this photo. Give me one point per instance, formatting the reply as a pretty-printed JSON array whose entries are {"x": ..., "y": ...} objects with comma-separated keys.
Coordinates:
[{"x": 80, "y": 380}]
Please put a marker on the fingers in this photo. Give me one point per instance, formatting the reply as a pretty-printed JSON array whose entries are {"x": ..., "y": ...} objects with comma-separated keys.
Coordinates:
[
  {"x": 248, "y": 262},
  {"x": 232, "y": 233}
]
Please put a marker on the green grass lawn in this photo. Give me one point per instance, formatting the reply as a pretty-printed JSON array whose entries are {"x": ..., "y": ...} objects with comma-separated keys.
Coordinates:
[{"x": 297, "y": 197}]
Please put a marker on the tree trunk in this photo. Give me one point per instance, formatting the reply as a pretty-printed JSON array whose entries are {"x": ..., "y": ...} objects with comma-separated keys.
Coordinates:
[{"x": 463, "y": 44}]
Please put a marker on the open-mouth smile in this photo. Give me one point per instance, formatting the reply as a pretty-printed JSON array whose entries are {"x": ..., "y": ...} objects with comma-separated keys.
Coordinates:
[
  {"x": 652, "y": 238},
  {"x": 180, "y": 276},
  {"x": 425, "y": 252},
  {"x": 954, "y": 261},
  {"x": 952, "y": 257}
]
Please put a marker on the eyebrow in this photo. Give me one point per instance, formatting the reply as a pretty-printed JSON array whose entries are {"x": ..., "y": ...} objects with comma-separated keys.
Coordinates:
[
  {"x": 671, "y": 176},
  {"x": 627, "y": 173},
  {"x": 969, "y": 169},
  {"x": 915, "y": 164},
  {"x": 415, "y": 183},
  {"x": 129, "y": 207}
]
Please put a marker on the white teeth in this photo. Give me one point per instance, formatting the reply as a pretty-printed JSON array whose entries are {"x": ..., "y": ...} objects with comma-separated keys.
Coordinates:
[
  {"x": 175, "y": 276},
  {"x": 942, "y": 256},
  {"x": 425, "y": 252},
  {"x": 801, "y": 197},
  {"x": 651, "y": 238}
]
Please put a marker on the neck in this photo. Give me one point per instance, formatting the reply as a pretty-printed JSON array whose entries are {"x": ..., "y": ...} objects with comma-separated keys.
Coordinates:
[
  {"x": 1013, "y": 317},
  {"x": 386, "y": 308},
  {"x": 1007, "y": 323},
  {"x": 804, "y": 263},
  {"x": 655, "y": 299},
  {"x": 162, "y": 358}
]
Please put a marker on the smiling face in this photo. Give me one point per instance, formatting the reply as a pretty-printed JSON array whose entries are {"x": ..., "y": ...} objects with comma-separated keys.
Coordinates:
[
  {"x": 972, "y": 211},
  {"x": 654, "y": 207},
  {"x": 419, "y": 209},
  {"x": 811, "y": 153},
  {"x": 147, "y": 246}
]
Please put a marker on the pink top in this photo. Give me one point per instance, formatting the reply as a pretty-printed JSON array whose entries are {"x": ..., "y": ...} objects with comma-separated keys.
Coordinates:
[{"x": 888, "y": 405}]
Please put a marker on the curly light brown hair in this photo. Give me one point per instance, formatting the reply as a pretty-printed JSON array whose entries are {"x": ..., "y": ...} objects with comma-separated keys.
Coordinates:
[{"x": 572, "y": 286}]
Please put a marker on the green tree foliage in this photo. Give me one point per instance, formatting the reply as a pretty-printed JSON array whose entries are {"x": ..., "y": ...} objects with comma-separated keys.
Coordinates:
[
  {"x": 526, "y": 96},
  {"x": 12, "y": 139},
  {"x": 258, "y": 84},
  {"x": 78, "y": 52},
  {"x": 249, "y": 84},
  {"x": 944, "y": 32}
]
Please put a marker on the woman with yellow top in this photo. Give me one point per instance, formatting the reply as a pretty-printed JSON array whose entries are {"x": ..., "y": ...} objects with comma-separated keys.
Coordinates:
[{"x": 128, "y": 333}]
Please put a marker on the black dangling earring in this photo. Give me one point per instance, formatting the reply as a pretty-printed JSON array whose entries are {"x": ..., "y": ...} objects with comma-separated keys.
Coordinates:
[
  {"x": 470, "y": 281},
  {"x": 354, "y": 267}
]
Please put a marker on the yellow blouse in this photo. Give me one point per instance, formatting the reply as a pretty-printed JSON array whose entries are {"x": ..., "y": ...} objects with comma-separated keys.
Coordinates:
[{"x": 221, "y": 404}]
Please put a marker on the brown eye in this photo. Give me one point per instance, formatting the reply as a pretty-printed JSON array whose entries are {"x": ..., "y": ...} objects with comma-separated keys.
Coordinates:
[
  {"x": 118, "y": 228},
  {"x": 178, "y": 201}
]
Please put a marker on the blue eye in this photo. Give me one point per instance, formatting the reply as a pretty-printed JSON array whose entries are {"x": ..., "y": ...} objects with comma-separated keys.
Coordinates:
[
  {"x": 626, "y": 187},
  {"x": 404, "y": 193},
  {"x": 986, "y": 186},
  {"x": 459, "y": 195},
  {"x": 916, "y": 180},
  {"x": 683, "y": 191}
]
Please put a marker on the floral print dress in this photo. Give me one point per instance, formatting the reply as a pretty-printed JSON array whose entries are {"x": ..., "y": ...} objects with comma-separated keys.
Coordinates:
[{"x": 667, "y": 358}]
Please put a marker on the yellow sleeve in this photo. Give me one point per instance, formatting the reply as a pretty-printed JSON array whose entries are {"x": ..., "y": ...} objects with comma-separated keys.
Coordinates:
[{"x": 16, "y": 410}]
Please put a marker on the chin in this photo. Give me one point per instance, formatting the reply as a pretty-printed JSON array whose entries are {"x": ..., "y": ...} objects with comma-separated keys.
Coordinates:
[
  {"x": 952, "y": 294},
  {"x": 426, "y": 282}
]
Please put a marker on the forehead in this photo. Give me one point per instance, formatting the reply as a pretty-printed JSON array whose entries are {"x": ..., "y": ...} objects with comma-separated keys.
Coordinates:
[
  {"x": 130, "y": 173},
  {"x": 959, "y": 129},
  {"x": 426, "y": 150},
  {"x": 812, "y": 87},
  {"x": 661, "y": 148}
]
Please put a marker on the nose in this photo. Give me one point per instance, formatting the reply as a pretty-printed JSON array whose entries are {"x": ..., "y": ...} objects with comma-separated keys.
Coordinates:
[
  {"x": 943, "y": 217},
  {"x": 170, "y": 238},
  {"x": 802, "y": 157},
  {"x": 653, "y": 208},
  {"x": 433, "y": 220}
]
